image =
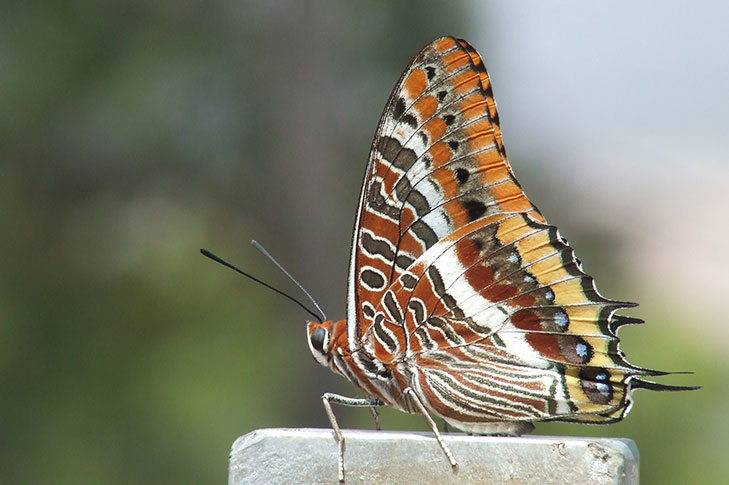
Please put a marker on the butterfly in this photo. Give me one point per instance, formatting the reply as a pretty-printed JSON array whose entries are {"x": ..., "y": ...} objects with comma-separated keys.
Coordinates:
[{"x": 462, "y": 301}]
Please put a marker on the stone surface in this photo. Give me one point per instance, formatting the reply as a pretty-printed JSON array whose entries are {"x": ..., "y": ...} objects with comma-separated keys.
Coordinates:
[{"x": 293, "y": 456}]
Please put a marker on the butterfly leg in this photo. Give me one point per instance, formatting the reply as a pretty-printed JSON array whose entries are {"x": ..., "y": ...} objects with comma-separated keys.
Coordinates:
[
  {"x": 421, "y": 408},
  {"x": 376, "y": 415},
  {"x": 329, "y": 398}
]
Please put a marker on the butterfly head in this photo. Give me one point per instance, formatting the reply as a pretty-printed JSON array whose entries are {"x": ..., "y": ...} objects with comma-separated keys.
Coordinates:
[{"x": 322, "y": 337}]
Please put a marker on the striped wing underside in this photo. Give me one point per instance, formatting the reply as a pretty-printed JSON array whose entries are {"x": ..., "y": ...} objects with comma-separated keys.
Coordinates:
[{"x": 456, "y": 276}]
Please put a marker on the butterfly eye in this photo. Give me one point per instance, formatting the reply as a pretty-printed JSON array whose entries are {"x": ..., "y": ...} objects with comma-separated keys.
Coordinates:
[{"x": 318, "y": 336}]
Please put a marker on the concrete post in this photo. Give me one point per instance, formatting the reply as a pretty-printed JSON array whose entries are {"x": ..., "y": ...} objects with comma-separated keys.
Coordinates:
[{"x": 309, "y": 456}]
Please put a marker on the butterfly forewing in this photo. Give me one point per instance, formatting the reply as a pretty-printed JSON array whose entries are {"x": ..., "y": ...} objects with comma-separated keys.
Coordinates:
[{"x": 437, "y": 163}]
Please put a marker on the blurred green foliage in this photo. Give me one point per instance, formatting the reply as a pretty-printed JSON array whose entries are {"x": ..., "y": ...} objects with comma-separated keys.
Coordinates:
[{"x": 135, "y": 133}]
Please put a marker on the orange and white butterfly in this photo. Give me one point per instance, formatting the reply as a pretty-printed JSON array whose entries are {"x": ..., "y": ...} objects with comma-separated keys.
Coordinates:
[{"x": 463, "y": 302}]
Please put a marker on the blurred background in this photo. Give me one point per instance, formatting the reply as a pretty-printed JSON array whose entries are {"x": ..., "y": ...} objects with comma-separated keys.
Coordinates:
[{"x": 134, "y": 133}]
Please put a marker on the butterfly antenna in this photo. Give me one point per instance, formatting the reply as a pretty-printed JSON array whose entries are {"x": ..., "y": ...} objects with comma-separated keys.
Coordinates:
[
  {"x": 273, "y": 260},
  {"x": 210, "y": 255}
]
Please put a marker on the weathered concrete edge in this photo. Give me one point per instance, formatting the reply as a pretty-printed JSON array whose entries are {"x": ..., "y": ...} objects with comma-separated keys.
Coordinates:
[
  {"x": 624, "y": 446},
  {"x": 604, "y": 460}
]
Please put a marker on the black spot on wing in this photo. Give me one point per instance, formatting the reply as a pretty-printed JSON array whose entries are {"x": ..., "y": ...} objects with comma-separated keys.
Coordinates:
[
  {"x": 376, "y": 247},
  {"x": 368, "y": 310},
  {"x": 462, "y": 175},
  {"x": 399, "y": 108},
  {"x": 430, "y": 72},
  {"x": 474, "y": 208},
  {"x": 408, "y": 281},
  {"x": 404, "y": 261},
  {"x": 410, "y": 120},
  {"x": 372, "y": 279}
]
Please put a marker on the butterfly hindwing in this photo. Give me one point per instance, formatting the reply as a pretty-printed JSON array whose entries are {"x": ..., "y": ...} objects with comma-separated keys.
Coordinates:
[{"x": 504, "y": 301}]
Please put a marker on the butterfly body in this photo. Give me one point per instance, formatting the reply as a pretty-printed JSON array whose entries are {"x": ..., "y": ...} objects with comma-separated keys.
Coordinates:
[{"x": 463, "y": 302}]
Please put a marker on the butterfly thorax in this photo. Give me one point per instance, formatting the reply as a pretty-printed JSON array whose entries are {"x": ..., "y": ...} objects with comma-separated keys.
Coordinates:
[{"x": 329, "y": 344}]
